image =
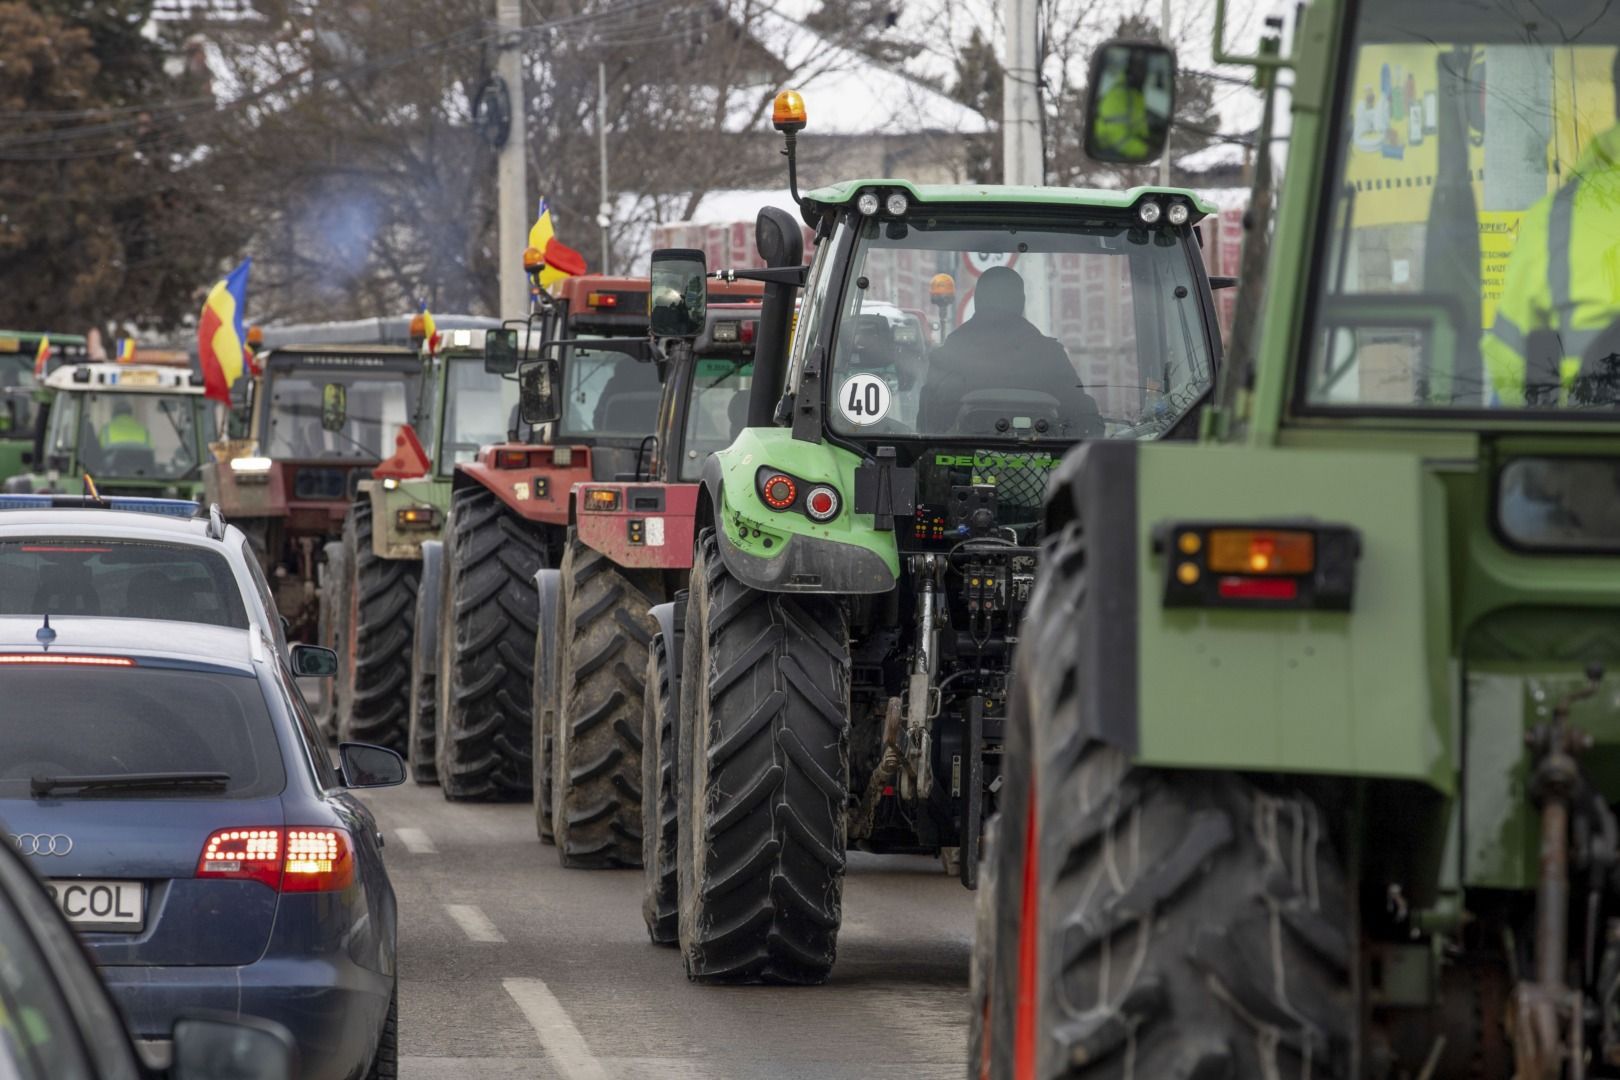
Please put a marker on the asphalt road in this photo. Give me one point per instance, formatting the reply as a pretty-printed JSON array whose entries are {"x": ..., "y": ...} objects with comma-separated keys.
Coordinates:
[{"x": 512, "y": 967}]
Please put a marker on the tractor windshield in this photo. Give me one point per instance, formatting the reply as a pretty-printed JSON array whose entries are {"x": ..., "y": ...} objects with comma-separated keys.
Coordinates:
[
  {"x": 17, "y": 405},
  {"x": 986, "y": 328},
  {"x": 608, "y": 393},
  {"x": 377, "y": 404},
  {"x": 477, "y": 409},
  {"x": 140, "y": 436},
  {"x": 719, "y": 409},
  {"x": 1470, "y": 261}
]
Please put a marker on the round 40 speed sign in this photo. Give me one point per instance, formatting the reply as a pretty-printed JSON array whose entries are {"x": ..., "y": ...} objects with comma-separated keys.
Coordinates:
[{"x": 863, "y": 399}]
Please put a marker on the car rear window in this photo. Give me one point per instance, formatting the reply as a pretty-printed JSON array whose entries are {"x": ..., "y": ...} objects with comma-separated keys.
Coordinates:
[
  {"x": 88, "y": 721},
  {"x": 122, "y": 579}
]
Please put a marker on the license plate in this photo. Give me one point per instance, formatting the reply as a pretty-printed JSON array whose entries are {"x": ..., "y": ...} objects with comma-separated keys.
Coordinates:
[
  {"x": 100, "y": 905},
  {"x": 138, "y": 378}
]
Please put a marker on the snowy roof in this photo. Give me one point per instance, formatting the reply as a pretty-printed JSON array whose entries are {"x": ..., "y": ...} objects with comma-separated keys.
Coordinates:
[{"x": 845, "y": 92}]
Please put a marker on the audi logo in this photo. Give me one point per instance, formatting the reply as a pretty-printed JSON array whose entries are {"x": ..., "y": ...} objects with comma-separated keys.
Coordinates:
[{"x": 42, "y": 843}]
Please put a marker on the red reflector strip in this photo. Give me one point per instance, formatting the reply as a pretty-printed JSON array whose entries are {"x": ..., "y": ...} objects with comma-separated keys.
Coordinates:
[
  {"x": 79, "y": 661},
  {"x": 1236, "y": 588},
  {"x": 511, "y": 459}
]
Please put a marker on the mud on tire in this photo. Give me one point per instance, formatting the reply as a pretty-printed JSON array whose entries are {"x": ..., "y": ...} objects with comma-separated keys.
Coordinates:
[
  {"x": 424, "y": 701},
  {"x": 764, "y": 761},
  {"x": 486, "y": 633},
  {"x": 596, "y": 749},
  {"x": 382, "y": 612},
  {"x": 658, "y": 812},
  {"x": 1184, "y": 925}
]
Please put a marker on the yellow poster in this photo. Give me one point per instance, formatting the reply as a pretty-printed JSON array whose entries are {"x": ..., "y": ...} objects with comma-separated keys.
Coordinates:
[{"x": 1498, "y": 232}]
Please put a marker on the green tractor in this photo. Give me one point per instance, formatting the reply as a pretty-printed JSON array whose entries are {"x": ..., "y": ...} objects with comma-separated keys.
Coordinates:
[
  {"x": 141, "y": 428},
  {"x": 22, "y": 395},
  {"x": 866, "y": 547},
  {"x": 392, "y": 534},
  {"x": 1314, "y": 741}
]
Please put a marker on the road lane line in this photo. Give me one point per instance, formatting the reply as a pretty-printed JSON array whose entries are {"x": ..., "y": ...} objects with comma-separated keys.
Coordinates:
[
  {"x": 416, "y": 841},
  {"x": 474, "y": 923},
  {"x": 563, "y": 1043}
]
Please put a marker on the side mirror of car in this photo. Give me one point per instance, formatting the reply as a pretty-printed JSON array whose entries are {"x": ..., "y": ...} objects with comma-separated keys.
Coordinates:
[
  {"x": 538, "y": 402},
  {"x": 501, "y": 350},
  {"x": 367, "y": 766},
  {"x": 314, "y": 661},
  {"x": 678, "y": 299},
  {"x": 1130, "y": 99},
  {"x": 334, "y": 406},
  {"x": 209, "y": 1047}
]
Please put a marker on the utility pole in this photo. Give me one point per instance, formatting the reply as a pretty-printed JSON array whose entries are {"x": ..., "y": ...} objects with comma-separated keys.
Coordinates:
[
  {"x": 512, "y": 166},
  {"x": 1022, "y": 160},
  {"x": 1164, "y": 39},
  {"x": 604, "y": 212}
]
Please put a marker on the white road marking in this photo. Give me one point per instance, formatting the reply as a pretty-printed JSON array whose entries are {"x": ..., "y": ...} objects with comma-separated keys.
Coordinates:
[
  {"x": 416, "y": 841},
  {"x": 474, "y": 923},
  {"x": 563, "y": 1043}
]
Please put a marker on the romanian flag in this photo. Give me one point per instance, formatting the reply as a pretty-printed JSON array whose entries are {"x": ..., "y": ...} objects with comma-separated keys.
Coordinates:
[
  {"x": 124, "y": 352},
  {"x": 221, "y": 341},
  {"x": 41, "y": 355},
  {"x": 430, "y": 329},
  {"x": 562, "y": 261}
]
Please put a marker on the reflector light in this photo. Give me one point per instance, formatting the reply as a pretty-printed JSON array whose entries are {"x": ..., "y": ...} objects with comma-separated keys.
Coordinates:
[
  {"x": 601, "y": 299},
  {"x": 779, "y": 491},
  {"x": 749, "y": 329},
  {"x": 603, "y": 500},
  {"x": 299, "y": 859},
  {"x": 417, "y": 517},
  {"x": 822, "y": 503},
  {"x": 1261, "y": 551},
  {"x": 511, "y": 459},
  {"x": 725, "y": 332},
  {"x": 562, "y": 456},
  {"x": 64, "y": 660},
  {"x": 1272, "y": 588}
]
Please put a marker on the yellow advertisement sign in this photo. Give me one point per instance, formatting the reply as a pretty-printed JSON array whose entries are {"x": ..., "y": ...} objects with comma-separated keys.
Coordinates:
[{"x": 1498, "y": 232}]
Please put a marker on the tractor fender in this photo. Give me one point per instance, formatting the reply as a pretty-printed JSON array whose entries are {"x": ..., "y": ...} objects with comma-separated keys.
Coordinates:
[
  {"x": 789, "y": 552},
  {"x": 548, "y": 591}
]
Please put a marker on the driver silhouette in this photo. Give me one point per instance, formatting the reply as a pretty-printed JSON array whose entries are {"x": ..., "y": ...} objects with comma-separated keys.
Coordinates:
[{"x": 999, "y": 349}]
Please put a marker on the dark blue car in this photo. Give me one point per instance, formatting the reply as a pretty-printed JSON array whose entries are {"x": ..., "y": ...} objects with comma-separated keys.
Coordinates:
[{"x": 168, "y": 783}]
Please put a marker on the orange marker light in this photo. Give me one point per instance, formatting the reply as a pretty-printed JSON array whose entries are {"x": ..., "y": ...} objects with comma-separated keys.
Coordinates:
[
  {"x": 1261, "y": 551},
  {"x": 418, "y": 326},
  {"x": 942, "y": 287},
  {"x": 787, "y": 111},
  {"x": 534, "y": 260}
]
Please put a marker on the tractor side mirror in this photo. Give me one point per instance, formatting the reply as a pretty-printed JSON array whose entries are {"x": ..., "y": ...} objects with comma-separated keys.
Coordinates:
[
  {"x": 501, "y": 350},
  {"x": 334, "y": 406},
  {"x": 678, "y": 300},
  {"x": 1130, "y": 99},
  {"x": 538, "y": 402}
]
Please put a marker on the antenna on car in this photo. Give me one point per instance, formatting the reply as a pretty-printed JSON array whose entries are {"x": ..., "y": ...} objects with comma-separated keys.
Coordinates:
[
  {"x": 216, "y": 522},
  {"x": 45, "y": 635}
]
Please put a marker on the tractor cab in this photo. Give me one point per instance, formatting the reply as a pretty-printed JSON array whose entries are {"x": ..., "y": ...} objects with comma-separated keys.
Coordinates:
[
  {"x": 22, "y": 396},
  {"x": 140, "y": 428}
]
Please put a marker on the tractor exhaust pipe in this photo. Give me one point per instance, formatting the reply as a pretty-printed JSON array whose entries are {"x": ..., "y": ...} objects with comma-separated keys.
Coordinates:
[{"x": 780, "y": 242}]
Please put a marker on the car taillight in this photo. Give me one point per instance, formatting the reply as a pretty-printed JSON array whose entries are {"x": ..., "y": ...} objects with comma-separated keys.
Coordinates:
[{"x": 288, "y": 860}]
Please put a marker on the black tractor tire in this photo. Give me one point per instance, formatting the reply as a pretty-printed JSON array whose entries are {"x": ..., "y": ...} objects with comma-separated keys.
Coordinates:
[
  {"x": 764, "y": 779},
  {"x": 1182, "y": 924},
  {"x": 659, "y": 900},
  {"x": 333, "y": 611},
  {"x": 486, "y": 650},
  {"x": 596, "y": 750},
  {"x": 425, "y": 667},
  {"x": 382, "y": 611},
  {"x": 981, "y": 975},
  {"x": 546, "y": 678}
]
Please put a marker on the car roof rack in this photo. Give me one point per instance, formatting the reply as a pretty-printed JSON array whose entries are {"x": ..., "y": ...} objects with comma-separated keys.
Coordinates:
[
  {"x": 181, "y": 508},
  {"x": 216, "y": 522}
]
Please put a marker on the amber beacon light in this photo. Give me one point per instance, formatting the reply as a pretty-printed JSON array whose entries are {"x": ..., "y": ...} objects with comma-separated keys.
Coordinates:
[{"x": 787, "y": 112}]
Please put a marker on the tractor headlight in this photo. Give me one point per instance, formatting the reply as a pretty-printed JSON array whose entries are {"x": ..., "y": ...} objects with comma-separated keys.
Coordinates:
[
  {"x": 1149, "y": 212},
  {"x": 1178, "y": 213},
  {"x": 867, "y": 203},
  {"x": 896, "y": 204}
]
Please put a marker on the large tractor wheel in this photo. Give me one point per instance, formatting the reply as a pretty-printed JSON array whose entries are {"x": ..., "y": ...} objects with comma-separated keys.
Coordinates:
[
  {"x": 1150, "y": 922},
  {"x": 334, "y": 609},
  {"x": 596, "y": 750},
  {"x": 548, "y": 590},
  {"x": 486, "y": 642},
  {"x": 425, "y": 667},
  {"x": 382, "y": 608},
  {"x": 764, "y": 788},
  {"x": 658, "y": 811}
]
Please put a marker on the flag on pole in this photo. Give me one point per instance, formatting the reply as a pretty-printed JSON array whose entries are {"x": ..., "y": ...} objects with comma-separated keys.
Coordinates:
[
  {"x": 41, "y": 355},
  {"x": 430, "y": 329},
  {"x": 562, "y": 261},
  {"x": 220, "y": 337},
  {"x": 124, "y": 353}
]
